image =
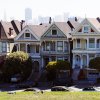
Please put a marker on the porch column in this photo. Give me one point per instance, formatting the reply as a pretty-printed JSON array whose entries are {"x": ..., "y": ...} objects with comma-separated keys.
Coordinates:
[
  {"x": 26, "y": 47},
  {"x": 19, "y": 46},
  {"x": 81, "y": 61},
  {"x": 87, "y": 60},
  {"x": 56, "y": 45},
  {"x": 73, "y": 61},
  {"x": 87, "y": 43},
  {"x": 63, "y": 46}
]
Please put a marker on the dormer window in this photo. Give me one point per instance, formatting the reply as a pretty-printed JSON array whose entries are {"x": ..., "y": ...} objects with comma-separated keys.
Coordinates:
[
  {"x": 54, "y": 32},
  {"x": 27, "y": 35},
  {"x": 86, "y": 29}
]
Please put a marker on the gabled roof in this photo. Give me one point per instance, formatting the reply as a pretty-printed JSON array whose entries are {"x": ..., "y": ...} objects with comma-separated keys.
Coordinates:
[
  {"x": 6, "y": 26},
  {"x": 95, "y": 23},
  {"x": 64, "y": 27}
]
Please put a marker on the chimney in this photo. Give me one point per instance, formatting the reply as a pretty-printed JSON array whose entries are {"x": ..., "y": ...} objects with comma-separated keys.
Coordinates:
[
  {"x": 70, "y": 25},
  {"x": 98, "y": 19},
  {"x": 50, "y": 20},
  {"x": 76, "y": 19},
  {"x": 10, "y": 31},
  {"x": 22, "y": 21}
]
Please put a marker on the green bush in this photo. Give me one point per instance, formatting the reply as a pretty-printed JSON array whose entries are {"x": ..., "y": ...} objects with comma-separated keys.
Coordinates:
[
  {"x": 54, "y": 66},
  {"x": 17, "y": 63},
  {"x": 95, "y": 63}
]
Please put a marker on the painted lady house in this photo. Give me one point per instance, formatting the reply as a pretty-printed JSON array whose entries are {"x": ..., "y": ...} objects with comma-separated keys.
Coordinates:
[{"x": 86, "y": 42}]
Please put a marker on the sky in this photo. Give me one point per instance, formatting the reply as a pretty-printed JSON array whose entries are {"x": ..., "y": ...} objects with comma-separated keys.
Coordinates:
[{"x": 15, "y": 9}]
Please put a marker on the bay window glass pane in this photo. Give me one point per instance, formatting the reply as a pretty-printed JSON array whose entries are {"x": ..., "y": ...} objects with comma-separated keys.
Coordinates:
[
  {"x": 59, "y": 46},
  {"x": 91, "y": 43}
]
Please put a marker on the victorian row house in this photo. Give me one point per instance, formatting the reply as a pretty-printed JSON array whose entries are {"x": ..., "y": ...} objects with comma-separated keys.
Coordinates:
[
  {"x": 46, "y": 42},
  {"x": 71, "y": 40},
  {"x": 86, "y": 42}
]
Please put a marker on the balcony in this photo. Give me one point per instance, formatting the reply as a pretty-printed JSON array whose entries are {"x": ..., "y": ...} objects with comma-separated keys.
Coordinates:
[
  {"x": 54, "y": 52},
  {"x": 85, "y": 50},
  {"x": 34, "y": 55}
]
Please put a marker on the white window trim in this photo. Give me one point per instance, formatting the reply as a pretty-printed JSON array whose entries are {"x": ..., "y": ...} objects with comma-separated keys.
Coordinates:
[
  {"x": 27, "y": 37},
  {"x": 83, "y": 28}
]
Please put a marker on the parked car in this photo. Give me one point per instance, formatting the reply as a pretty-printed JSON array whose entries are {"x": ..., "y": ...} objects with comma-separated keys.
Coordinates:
[
  {"x": 89, "y": 89},
  {"x": 59, "y": 88},
  {"x": 32, "y": 89}
]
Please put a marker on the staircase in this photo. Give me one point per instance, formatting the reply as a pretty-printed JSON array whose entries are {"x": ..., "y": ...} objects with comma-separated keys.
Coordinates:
[{"x": 75, "y": 74}]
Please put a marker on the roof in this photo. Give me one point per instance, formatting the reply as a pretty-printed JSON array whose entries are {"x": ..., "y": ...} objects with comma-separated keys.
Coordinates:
[
  {"x": 95, "y": 23},
  {"x": 6, "y": 26},
  {"x": 39, "y": 29}
]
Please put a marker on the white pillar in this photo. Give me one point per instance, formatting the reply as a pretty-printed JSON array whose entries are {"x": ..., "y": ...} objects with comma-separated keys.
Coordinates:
[
  {"x": 26, "y": 47},
  {"x": 19, "y": 47},
  {"x": 87, "y": 60},
  {"x": 87, "y": 43},
  {"x": 73, "y": 61},
  {"x": 56, "y": 45},
  {"x": 81, "y": 62},
  {"x": 63, "y": 46}
]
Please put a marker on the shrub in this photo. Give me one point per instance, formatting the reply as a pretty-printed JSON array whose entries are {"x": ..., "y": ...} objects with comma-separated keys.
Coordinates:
[
  {"x": 95, "y": 63},
  {"x": 17, "y": 63},
  {"x": 54, "y": 66}
]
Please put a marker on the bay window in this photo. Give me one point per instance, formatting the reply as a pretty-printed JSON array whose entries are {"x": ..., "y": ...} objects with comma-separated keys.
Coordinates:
[
  {"x": 60, "y": 46},
  {"x": 91, "y": 43}
]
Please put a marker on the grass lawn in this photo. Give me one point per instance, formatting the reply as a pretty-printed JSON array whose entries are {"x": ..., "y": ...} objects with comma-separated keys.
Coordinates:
[{"x": 51, "y": 96}]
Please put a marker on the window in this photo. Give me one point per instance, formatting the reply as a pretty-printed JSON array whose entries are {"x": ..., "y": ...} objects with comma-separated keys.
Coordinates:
[
  {"x": 86, "y": 29},
  {"x": 59, "y": 46},
  {"x": 27, "y": 35},
  {"x": 78, "y": 43},
  {"x": 98, "y": 43},
  {"x": 52, "y": 46},
  {"x": 47, "y": 46},
  {"x": 65, "y": 46},
  {"x": 4, "y": 46},
  {"x": 91, "y": 43},
  {"x": 54, "y": 32},
  {"x": 37, "y": 48}
]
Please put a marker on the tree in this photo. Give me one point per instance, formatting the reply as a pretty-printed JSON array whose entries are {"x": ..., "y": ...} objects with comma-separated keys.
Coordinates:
[
  {"x": 17, "y": 63},
  {"x": 54, "y": 67},
  {"x": 95, "y": 63}
]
